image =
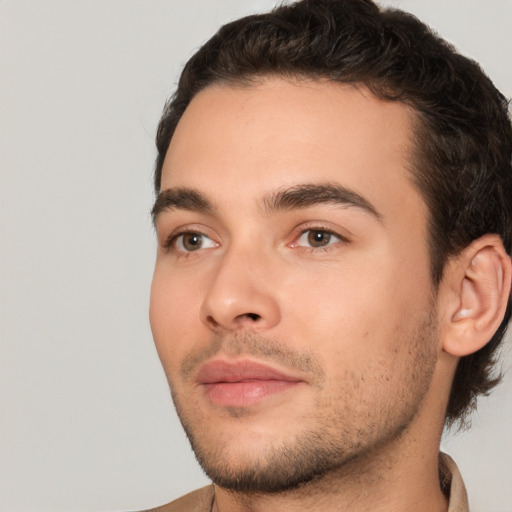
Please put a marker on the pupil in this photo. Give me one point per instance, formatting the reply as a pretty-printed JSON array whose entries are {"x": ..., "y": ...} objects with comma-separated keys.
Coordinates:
[
  {"x": 319, "y": 238},
  {"x": 192, "y": 241}
]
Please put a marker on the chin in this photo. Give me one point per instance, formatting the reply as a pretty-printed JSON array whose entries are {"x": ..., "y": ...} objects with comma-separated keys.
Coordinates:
[{"x": 272, "y": 470}]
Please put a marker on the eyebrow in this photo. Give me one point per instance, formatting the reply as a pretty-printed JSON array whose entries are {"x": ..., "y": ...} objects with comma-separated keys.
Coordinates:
[
  {"x": 307, "y": 195},
  {"x": 180, "y": 199},
  {"x": 296, "y": 197}
]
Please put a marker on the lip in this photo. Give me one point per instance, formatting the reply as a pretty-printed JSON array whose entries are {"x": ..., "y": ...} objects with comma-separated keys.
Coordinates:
[{"x": 242, "y": 383}]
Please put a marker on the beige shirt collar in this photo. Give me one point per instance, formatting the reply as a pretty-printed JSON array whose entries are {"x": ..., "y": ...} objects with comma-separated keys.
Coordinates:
[{"x": 451, "y": 481}]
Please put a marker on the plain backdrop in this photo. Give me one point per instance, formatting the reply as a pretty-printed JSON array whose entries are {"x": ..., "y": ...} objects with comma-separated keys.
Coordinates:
[{"x": 86, "y": 421}]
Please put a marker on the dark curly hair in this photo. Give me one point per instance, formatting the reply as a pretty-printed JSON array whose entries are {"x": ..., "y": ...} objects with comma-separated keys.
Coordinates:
[{"x": 462, "y": 161}]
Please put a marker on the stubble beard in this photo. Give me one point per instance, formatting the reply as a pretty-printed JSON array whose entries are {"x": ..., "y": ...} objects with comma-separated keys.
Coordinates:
[{"x": 344, "y": 429}]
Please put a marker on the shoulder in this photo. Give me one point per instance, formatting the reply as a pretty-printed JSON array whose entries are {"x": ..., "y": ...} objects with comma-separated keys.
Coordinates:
[{"x": 200, "y": 500}]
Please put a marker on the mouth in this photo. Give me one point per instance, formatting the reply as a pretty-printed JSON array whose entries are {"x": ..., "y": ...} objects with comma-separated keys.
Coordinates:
[{"x": 243, "y": 383}]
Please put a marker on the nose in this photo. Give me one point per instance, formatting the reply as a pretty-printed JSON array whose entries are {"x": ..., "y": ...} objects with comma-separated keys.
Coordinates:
[{"x": 242, "y": 294}]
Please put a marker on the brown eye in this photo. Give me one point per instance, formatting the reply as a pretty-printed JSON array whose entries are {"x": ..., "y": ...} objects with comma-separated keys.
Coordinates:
[
  {"x": 190, "y": 242},
  {"x": 318, "y": 238}
]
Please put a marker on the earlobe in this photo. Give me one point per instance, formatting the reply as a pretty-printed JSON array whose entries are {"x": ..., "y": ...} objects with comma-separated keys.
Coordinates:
[{"x": 481, "y": 278}]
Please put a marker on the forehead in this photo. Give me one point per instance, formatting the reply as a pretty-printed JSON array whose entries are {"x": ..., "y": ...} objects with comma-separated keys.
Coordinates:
[{"x": 252, "y": 139}]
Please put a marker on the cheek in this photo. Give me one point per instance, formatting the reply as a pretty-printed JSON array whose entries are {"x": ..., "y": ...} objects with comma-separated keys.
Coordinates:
[
  {"x": 354, "y": 313},
  {"x": 173, "y": 314}
]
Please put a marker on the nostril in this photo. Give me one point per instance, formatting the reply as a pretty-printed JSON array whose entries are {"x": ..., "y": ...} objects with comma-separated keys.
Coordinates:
[
  {"x": 252, "y": 316},
  {"x": 212, "y": 321}
]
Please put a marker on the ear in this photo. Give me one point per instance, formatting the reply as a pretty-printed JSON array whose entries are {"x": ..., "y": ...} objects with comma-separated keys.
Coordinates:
[{"x": 475, "y": 291}]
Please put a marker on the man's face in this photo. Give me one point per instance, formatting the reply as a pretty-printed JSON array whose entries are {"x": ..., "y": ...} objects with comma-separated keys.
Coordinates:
[{"x": 292, "y": 306}]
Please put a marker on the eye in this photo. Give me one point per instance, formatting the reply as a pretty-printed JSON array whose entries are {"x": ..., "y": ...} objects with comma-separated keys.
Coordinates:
[
  {"x": 317, "y": 238},
  {"x": 191, "y": 241}
]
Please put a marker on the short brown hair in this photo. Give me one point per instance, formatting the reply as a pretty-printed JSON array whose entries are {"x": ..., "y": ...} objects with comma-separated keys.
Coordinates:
[{"x": 463, "y": 139}]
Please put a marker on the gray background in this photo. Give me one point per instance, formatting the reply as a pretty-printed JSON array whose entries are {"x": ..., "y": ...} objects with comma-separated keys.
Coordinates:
[{"x": 86, "y": 422}]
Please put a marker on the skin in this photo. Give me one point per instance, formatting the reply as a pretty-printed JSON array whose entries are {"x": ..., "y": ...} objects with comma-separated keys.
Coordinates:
[{"x": 355, "y": 319}]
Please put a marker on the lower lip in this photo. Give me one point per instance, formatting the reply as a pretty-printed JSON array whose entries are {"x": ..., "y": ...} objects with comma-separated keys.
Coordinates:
[{"x": 243, "y": 394}]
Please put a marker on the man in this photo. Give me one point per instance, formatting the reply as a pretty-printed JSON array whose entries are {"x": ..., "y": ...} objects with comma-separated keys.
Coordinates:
[{"x": 333, "y": 274}]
